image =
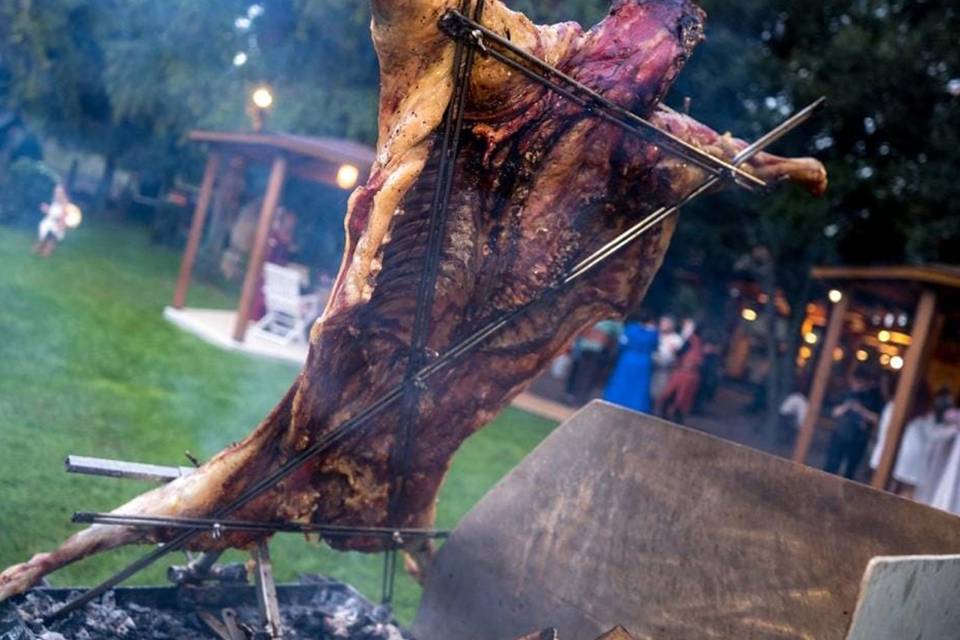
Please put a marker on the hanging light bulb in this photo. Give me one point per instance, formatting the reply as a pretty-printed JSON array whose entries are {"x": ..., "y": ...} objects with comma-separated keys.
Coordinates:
[
  {"x": 262, "y": 97},
  {"x": 347, "y": 176}
]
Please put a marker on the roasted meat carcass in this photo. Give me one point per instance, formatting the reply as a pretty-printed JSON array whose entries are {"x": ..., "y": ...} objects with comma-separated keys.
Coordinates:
[{"x": 539, "y": 184}]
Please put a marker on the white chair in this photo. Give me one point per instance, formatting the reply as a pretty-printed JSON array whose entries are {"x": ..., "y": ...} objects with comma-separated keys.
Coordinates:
[{"x": 287, "y": 310}]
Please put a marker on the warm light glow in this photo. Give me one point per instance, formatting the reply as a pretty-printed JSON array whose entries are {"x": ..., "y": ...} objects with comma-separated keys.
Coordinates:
[
  {"x": 748, "y": 314},
  {"x": 806, "y": 352},
  {"x": 262, "y": 98},
  {"x": 896, "y": 363},
  {"x": 835, "y": 296},
  {"x": 862, "y": 355},
  {"x": 838, "y": 354},
  {"x": 903, "y": 339},
  {"x": 810, "y": 338},
  {"x": 763, "y": 298},
  {"x": 347, "y": 176},
  {"x": 884, "y": 336},
  {"x": 885, "y": 359},
  {"x": 73, "y": 216}
]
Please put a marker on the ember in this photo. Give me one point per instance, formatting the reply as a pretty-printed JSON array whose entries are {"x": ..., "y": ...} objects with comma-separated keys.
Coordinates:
[{"x": 316, "y": 608}]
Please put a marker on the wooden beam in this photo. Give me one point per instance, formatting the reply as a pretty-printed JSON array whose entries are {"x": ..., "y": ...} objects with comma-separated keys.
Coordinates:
[
  {"x": 278, "y": 174},
  {"x": 196, "y": 229},
  {"x": 907, "y": 386},
  {"x": 821, "y": 379}
]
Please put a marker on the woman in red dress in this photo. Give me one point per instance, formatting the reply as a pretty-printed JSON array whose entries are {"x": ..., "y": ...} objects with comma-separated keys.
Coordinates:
[{"x": 678, "y": 397}]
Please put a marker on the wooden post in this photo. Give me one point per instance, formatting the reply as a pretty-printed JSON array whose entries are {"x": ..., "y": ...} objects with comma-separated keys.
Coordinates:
[
  {"x": 196, "y": 229},
  {"x": 821, "y": 379},
  {"x": 907, "y": 386},
  {"x": 278, "y": 173}
]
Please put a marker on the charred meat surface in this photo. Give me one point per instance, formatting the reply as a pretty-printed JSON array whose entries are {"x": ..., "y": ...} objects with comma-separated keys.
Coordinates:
[{"x": 539, "y": 185}]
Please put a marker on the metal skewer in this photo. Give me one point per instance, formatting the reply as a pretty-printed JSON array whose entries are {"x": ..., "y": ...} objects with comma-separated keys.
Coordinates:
[{"x": 464, "y": 29}]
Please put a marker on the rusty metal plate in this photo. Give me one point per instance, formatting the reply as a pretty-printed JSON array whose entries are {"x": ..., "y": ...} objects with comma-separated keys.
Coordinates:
[{"x": 621, "y": 519}]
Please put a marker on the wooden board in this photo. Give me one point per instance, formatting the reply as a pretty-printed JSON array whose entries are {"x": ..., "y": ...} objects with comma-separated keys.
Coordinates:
[
  {"x": 915, "y": 597},
  {"x": 619, "y": 518}
]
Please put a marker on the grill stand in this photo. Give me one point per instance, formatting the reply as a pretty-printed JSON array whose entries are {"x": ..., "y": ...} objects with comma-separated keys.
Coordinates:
[{"x": 204, "y": 566}]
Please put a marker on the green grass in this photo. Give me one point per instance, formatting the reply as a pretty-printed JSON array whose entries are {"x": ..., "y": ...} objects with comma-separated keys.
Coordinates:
[{"x": 88, "y": 366}]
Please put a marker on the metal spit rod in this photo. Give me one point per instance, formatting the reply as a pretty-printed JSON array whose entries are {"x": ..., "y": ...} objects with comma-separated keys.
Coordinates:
[
  {"x": 120, "y": 469},
  {"x": 219, "y": 527},
  {"x": 463, "y": 61},
  {"x": 387, "y": 400}
]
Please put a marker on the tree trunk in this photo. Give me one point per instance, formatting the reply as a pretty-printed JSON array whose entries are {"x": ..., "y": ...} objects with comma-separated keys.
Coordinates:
[{"x": 102, "y": 195}]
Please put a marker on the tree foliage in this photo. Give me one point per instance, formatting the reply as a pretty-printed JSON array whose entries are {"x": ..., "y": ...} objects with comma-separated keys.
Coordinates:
[{"x": 128, "y": 77}]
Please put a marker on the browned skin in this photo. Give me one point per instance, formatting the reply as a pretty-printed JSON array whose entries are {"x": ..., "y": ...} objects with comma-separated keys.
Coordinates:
[{"x": 539, "y": 186}]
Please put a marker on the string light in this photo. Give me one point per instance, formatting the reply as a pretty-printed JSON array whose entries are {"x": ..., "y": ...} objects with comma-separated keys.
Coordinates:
[
  {"x": 896, "y": 363},
  {"x": 862, "y": 356},
  {"x": 884, "y": 336},
  {"x": 835, "y": 296},
  {"x": 347, "y": 176},
  {"x": 811, "y": 338},
  {"x": 748, "y": 314}
]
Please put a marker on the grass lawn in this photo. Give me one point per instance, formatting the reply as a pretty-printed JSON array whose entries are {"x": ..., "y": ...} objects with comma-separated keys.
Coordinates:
[{"x": 88, "y": 366}]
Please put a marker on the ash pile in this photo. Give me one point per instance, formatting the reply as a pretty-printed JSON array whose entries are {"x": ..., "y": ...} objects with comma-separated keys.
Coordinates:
[{"x": 317, "y": 607}]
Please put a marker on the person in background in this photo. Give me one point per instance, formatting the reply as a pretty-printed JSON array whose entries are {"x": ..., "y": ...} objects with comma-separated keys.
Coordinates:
[
  {"x": 792, "y": 413},
  {"x": 710, "y": 371},
  {"x": 588, "y": 354},
  {"x": 676, "y": 401},
  {"x": 629, "y": 386},
  {"x": 940, "y": 486},
  {"x": 856, "y": 418},
  {"x": 665, "y": 357},
  {"x": 53, "y": 228},
  {"x": 924, "y": 430},
  {"x": 281, "y": 244}
]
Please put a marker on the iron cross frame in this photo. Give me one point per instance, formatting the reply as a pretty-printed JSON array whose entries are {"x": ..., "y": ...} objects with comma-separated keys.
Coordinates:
[{"x": 471, "y": 37}]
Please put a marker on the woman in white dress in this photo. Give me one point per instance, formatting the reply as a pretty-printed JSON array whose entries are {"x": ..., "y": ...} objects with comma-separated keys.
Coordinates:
[
  {"x": 924, "y": 433},
  {"x": 941, "y": 488}
]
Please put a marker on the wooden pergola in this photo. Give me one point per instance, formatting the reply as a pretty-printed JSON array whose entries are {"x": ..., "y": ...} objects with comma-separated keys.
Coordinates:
[
  {"x": 316, "y": 159},
  {"x": 932, "y": 291}
]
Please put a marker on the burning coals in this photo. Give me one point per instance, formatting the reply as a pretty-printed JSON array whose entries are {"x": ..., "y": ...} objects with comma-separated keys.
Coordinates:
[{"x": 317, "y": 608}]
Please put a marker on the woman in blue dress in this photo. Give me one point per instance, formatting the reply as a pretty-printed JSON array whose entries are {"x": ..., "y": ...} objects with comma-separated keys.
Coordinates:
[{"x": 629, "y": 385}]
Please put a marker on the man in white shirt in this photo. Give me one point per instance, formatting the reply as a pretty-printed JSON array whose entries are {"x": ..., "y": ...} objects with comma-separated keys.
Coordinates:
[{"x": 665, "y": 357}]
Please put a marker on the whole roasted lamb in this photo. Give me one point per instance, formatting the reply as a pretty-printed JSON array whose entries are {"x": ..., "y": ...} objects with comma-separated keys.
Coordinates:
[{"x": 540, "y": 183}]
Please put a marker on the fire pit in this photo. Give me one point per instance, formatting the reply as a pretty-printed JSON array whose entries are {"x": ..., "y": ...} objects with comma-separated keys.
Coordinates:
[{"x": 316, "y": 607}]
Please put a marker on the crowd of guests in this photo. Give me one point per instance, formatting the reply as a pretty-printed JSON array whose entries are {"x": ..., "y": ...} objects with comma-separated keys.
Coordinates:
[
  {"x": 650, "y": 365},
  {"x": 659, "y": 367},
  {"x": 927, "y": 466}
]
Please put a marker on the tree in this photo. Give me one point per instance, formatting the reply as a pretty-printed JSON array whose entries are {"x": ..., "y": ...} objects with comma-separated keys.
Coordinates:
[{"x": 888, "y": 138}]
